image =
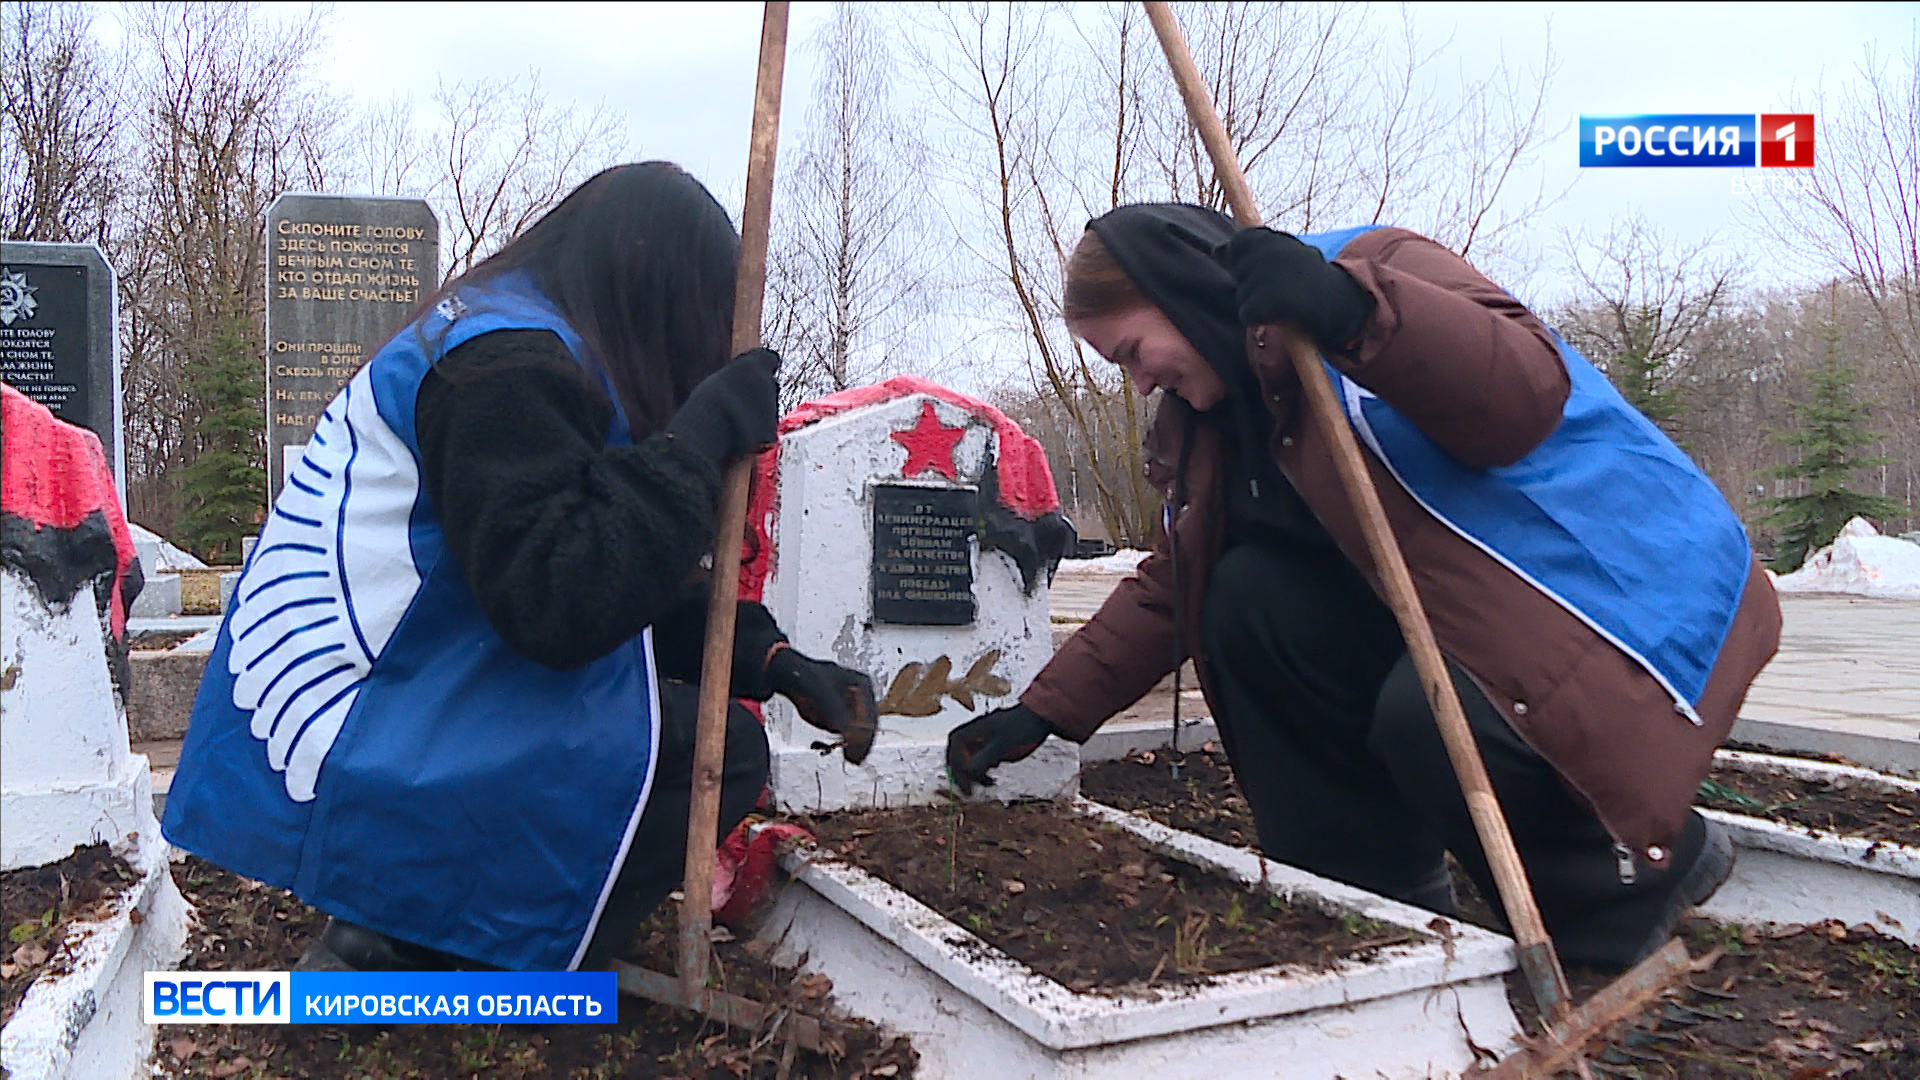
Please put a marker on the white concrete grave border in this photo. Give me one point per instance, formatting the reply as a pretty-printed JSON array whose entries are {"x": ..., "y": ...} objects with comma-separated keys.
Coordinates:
[
  {"x": 85, "y": 1024},
  {"x": 1415, "y": 1010},
  {"x": 1794, "y": 874}
]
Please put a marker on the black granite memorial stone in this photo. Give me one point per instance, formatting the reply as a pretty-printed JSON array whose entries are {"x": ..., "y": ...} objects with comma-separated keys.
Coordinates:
[
  {"x": 923, "y": 555},
  {"x": 344, "y": 273},
  {"x": 57, "y": 336}
]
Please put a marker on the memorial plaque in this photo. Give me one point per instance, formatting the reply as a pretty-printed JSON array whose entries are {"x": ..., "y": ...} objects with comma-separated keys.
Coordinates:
[
  {"x": 344, "y": 273},
  {"x": 57, "y": 337},
  {"x": 923, "y": 555}
]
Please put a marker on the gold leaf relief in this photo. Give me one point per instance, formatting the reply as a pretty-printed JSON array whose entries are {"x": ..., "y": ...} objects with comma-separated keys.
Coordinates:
[{"x": 918, "y": 688}]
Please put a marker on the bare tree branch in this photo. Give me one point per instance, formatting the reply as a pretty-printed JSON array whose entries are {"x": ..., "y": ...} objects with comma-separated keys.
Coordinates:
[
  {"x": 506, "y": 155},
  {"x": 853, "y": 266},
  {"x": 60, "y": 171}
]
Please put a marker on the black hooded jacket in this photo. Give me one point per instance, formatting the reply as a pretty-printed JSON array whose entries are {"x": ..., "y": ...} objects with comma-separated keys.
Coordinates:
[{"x": 1168, "y": 251}]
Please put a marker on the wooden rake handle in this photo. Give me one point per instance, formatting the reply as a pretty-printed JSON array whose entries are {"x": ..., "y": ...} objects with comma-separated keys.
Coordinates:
[
  {"x": 716, "y": 668},
  {"x": 1537, "y": 956}
]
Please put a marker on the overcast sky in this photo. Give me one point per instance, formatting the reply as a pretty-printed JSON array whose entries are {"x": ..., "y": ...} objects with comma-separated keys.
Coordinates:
[{"x": 682, "y": 76}]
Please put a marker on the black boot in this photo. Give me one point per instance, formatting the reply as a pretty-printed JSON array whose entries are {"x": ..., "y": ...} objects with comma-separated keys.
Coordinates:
[
  {"x": 1434, "y": 893},
  {"x": 345, "y": 946},
  {"x": 1693, "y": 885}
]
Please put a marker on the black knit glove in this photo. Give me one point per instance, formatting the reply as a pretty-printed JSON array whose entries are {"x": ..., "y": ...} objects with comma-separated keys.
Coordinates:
[
  {"x": 1277, "y": 278},
  {"x": 992, "y": 739},
  {"x": 733, "y": 412},
  {"x": 680, "y": 641},
  {"x": 829, "y": 697}
]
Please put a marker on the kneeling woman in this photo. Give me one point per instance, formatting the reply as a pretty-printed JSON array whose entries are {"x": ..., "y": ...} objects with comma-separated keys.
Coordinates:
[
  {"x": 1595, "y": 595},
  {"x": 452, "y": 703}
]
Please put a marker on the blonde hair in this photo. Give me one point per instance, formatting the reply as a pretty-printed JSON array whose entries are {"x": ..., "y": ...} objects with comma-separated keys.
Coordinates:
[{"x": 1096, "y": 284}]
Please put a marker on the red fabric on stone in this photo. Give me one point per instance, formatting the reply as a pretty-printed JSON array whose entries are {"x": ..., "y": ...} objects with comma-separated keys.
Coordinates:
[
  {"x": 744, "y": 869},
  {"x": 1026, "y": 482},
  {"x": 54, "y": 474}
]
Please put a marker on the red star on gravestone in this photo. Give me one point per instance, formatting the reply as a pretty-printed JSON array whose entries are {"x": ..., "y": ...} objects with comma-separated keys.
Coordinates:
[{"x": 929, "y": 445}]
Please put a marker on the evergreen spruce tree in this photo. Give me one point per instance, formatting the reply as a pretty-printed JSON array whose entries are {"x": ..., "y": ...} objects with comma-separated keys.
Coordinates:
[
  {"x": 224, "y": 491},
  {"x": 1640, "y": 377},
  {"x": 1830, "y": 430},
  {"x": 1637, "y": 376}
]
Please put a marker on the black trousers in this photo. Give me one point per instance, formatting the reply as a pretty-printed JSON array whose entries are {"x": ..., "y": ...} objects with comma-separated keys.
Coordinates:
[
  {"x": 1337, "y": 752},
  {"x": 656, "y": 860}
]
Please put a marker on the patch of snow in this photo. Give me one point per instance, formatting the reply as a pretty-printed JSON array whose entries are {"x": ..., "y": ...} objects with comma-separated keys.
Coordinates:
[
  {"x": 167, "y": 559},
  {"x": 1859, "y": 562},
  {"x": 1124, "y": 561}
]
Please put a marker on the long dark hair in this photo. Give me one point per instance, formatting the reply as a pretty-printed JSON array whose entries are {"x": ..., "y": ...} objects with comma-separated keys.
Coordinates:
[{"x": 641, "y": 260}]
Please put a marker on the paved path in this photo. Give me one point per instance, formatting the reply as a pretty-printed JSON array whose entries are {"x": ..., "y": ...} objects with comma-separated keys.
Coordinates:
[
  {"x": 1076, "y": 596},
  {"x": 1846, "y": 679}
]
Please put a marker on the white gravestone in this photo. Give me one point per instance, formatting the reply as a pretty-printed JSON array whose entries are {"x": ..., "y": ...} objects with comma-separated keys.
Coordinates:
[
  {"x": 67, "y": 774},
  {"x": 945, "y": 630}
]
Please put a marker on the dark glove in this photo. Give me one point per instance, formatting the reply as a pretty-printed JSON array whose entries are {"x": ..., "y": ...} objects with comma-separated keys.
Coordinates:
[
  {"x": 733, "y": 412},
  {"x": 829, "y": 697},
  {"x": 992, "y": 739},
  {"x": 1277, "y": 278},
  {"x": 680, "y": 641}
]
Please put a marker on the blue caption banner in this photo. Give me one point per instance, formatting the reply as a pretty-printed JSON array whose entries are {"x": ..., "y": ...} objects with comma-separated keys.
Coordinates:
[
  {"x": 381, "y": 997},
  {"x": 455, "y": 997},
  {"x": 1678, "y": 140}
]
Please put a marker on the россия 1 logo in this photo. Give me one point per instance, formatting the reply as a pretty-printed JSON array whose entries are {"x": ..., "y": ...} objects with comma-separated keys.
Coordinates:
[{"x": 1697, "y": 140}]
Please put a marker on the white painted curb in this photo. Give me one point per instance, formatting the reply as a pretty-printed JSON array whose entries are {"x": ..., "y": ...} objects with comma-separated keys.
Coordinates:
[
  {"x": 85, "y": 1024},
  {"x": 1411, "y": 1010},
  {"x": 1795, "y": 874}
]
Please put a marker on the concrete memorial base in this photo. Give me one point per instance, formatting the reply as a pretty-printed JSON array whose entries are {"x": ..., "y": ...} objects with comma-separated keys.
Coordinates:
[
  {"x": 66, "y": 776},
  {"x": 904, "y": 770},
  {"x": 1414, "y": 1010},
  {"x": 161, "y": 687},
  {"x": 1793, "y": 874},
  {"x": 159, "y": 597}
]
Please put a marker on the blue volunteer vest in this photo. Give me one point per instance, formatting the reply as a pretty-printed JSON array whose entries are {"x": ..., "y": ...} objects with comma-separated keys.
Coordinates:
[
  {"x": 1607, "y": 517},
  {"x": 365, "y": 739}
]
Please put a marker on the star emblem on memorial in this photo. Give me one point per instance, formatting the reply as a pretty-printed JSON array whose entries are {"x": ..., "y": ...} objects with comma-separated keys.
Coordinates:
[
  {"x": 16, "y": 298},
  {"x": 929, "y": 445}
]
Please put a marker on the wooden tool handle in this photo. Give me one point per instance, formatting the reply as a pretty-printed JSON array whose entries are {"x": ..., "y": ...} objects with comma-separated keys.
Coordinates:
[
  {"x": 1516, "y": 894},
  {"x": 716, "y": 668}
]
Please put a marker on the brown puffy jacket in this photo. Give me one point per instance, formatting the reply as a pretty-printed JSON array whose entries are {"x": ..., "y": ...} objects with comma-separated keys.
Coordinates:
[{"x": 1480, "y": 376}]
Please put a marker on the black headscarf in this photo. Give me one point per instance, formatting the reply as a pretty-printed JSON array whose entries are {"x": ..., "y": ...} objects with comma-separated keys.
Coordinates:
[{"x": 1168, "y": 251}]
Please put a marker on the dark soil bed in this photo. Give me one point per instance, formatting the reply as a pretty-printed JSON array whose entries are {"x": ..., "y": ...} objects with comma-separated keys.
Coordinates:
[
  {"x": 161, "y": 639},
  {"x": 1815, "y": 804},
  {"x": 37, "y": 904},
  {"x": 243, "y": 925},
  {"x": 1202, "y": 799},
  {"x": 1084, "y": 903},
  {"x": 1792, "y": 1003},
  {"x": 1802, "y": 755}
]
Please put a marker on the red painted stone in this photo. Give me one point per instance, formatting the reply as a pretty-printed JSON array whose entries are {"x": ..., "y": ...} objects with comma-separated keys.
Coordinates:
[{"x": 1025, "y": 481}]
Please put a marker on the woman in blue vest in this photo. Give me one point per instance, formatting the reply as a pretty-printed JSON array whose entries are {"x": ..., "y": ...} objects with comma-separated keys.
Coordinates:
[
  {"x": 452, "y": 703},
  {"x": 1596, "y": 597}
]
